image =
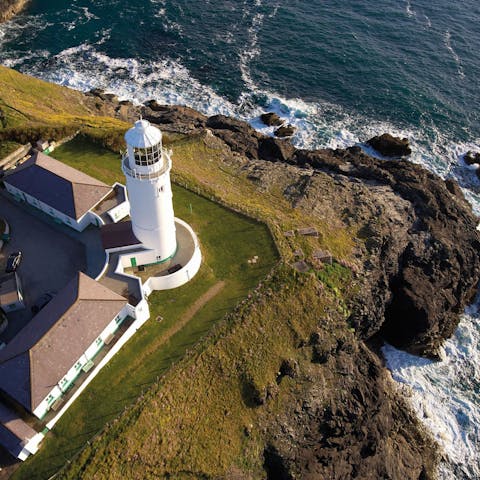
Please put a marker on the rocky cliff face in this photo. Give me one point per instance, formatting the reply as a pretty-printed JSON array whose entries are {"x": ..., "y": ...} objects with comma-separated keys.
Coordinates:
[
  {"x": 418, "y": 246},
  {"x": 9, "y": 8},
  {"x": 417, "y": 265}
]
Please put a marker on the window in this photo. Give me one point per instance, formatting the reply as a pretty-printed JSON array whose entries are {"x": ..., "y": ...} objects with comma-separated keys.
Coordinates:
[
  {"x": 118, "y": 320},
  {"x": 98, "y": 341},
  {"x": 147, "y": 156},
  {"x": 50, "y": 399},
  {"x": 78, "y": 365}
]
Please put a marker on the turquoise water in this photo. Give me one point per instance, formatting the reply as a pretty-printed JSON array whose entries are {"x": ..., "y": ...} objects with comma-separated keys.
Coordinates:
[{"x": 341, "y": 71}]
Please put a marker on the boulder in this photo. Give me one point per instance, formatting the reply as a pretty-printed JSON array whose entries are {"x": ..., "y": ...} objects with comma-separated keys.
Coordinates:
[
  {"x": 390, "y": 146},
  {"x": 471, "y": 157},
  {"x": 271, "y": 119},
  {"x": 285, "y": 131}
]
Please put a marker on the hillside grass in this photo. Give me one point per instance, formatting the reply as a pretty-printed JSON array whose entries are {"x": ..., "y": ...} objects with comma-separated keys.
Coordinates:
[
  {"x": 192, "y": 422},
  {"x": 201, "y": 420},
  {"x": 31, "y": 109},
  {"x": 227, "y": 240}
]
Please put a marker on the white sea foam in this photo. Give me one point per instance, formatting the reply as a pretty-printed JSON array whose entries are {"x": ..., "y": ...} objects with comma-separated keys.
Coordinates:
[
  {"x": 446, "y": 396},
  {"x": 450, "y": 411},
  {"x": 447, "y": 40},
  {"x": 408, "y": 8}
]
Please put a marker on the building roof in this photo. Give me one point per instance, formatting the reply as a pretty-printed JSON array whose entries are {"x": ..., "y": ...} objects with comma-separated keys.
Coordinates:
[
  {"x": 143, "y": 135},
  {"x": 116, "y": 235},
  {"x": 13, "y": 431},
  {"x": 61, "y": 187},
  {"x": 43, "y": 352},
  {"x": 8, "y": 289}
]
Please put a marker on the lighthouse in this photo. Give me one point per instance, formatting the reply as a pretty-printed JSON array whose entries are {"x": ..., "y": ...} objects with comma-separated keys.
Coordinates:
[{"x": 146, "y": 165}]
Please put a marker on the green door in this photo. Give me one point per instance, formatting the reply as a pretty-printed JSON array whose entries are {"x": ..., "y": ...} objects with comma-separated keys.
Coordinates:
[{"x": 133, "y": 261}]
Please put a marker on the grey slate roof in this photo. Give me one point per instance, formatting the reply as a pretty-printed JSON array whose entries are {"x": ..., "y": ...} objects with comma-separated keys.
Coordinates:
[
  {"x": 8, "y": 288},
  {"x": 13, "y": 431},
  {"x": 115, "y": 235},
  {"x": 43, "y": 351},
  {"x": 62, "y": 187}
]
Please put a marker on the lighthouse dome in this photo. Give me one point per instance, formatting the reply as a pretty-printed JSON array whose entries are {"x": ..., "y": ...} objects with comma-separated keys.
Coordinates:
[{"x": 143, "y": 135}]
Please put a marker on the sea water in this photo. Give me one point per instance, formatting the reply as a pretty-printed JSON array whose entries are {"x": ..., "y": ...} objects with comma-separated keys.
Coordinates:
[{"x": 340, "y": 71}]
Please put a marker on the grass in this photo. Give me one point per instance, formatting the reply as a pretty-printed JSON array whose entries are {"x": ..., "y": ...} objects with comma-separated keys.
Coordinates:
[
  {"x": 31, "y": 109},
  {"x": 199, "y": 383},
  {"x": 7, "y": 147},
  {"x": 192, "y": 423},
  {"x": 227, "y": 240}
]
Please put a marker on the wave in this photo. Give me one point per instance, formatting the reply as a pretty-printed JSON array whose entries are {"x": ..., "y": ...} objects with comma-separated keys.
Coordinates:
[
  {"x": 408, "y": 8},
  {"x": 446, "y": 396},
  {"x": 448, "y": 409},
  {"x": 447, "y": 40}
]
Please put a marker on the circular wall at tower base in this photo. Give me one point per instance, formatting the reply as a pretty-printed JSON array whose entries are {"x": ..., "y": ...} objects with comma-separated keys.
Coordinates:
[{"x": 188, "y": 254}]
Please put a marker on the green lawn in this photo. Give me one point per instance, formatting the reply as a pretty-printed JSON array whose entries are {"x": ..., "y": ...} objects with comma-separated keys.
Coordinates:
[{"x": 227, "y": 240}]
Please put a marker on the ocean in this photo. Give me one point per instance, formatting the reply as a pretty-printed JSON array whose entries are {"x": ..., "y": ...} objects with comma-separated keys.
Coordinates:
[{"x": 340, "y": 71}]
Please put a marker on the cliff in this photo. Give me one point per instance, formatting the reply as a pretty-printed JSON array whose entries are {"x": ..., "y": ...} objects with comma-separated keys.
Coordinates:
[
  {"x": 289, "y": 385},
  {"x": 9, "y": 8}
]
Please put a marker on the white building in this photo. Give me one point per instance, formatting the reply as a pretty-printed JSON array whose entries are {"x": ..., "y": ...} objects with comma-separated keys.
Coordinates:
[
  {"x": 154, "y": 235},
  {"x": 66, "y": 194},
  {"x": 86, "y": 323},
  {"x": 61, "y": 343}
]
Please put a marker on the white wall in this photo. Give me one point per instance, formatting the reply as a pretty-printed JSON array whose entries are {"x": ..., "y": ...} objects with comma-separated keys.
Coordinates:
[
  {"x": 79, "y": 225},
  {"x": 142, "y": 314},
  {"x": 88, "y": 355},
  {"x": 174, "y": 280}
]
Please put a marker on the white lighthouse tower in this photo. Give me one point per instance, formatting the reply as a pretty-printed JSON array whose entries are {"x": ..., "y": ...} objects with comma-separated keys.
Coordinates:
[{"x": 146, "y": 166}]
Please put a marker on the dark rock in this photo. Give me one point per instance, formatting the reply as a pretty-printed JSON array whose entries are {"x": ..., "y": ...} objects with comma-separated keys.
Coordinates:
[
  {"x": 96, "y": 92},
  {"x": 271, "y": 119},
  {"x": 285, "y": 131},
  {"x": 238, "y": 135},
  {"x": 390, "y": 146},
  {"x": 274, "y": 465},
  {"x": 453, "y": 188},
  {"x": 174, "y": 117},
  {"x": 110, "y": 97},
  {"x": 155, "y": 106},
  {"x": 273, "y": 149},
  {"x": 355, "y": 428},
  {"x": 471, "y": 157},
  {"x": 289, "y": 368}
]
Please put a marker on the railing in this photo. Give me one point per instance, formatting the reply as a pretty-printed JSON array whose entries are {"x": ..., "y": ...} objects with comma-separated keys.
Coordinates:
[{"x": 145, "y": 176}]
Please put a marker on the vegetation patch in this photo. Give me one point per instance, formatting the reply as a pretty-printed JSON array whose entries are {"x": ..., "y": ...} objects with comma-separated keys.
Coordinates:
[{"x": 227, "y": 240}]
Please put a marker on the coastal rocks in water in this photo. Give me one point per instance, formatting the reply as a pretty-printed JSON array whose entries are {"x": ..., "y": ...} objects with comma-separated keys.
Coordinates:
[
  {"x": 471, "y": 158},
  {"x": 365, "y": 432},
  {"x": 417, "y": 259},
  {"x": 271, "y": 119},
  {"x": 285, "y": 131},
  {"x": 390, "y": 146}
]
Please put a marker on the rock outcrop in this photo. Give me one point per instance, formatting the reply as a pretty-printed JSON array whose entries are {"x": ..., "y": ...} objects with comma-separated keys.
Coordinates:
[
  {"x": 358, "y": 434},
  {"x": 416, "y": 265},
  {"x": 418, "y": 251},
  {"x": 285, "y": 131},
  {"x": 10, "y": 8},
  {"x": 471, "y": 158},
  {"x": 390, "y": 146},
  {"x": 271, "y": 119}
]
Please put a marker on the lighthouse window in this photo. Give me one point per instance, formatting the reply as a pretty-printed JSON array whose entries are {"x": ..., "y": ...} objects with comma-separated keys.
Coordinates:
[{"x": 147, "y": 156}]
